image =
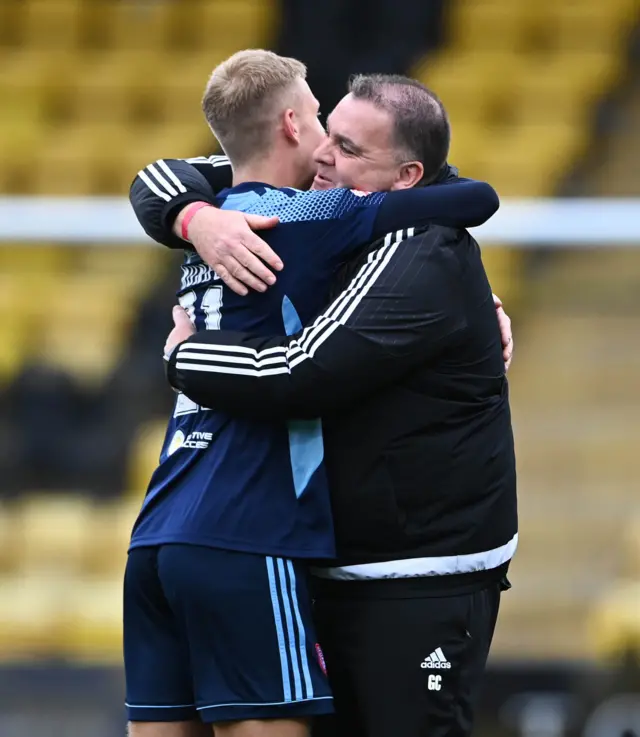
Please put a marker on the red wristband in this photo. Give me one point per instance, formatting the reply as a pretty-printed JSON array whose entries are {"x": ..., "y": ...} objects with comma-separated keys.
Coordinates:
[{"x": 188, "y": 217}]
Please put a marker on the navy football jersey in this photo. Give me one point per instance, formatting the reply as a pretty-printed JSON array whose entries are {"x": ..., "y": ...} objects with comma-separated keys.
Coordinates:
[{"x": 244, "y": 485}]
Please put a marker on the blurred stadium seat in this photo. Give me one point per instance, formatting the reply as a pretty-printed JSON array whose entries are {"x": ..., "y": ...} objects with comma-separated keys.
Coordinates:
[
  {"x": 615, "y": 622},
  {"x": 632, "y": 549},
  {"x": 10, "y": 536},
  {"x": 54, "y": 532},
  {"x": 50, "y": 24},
  {"x": 145, "y": 452},
  {"x": 91, "y": 631},
  {"x": 98, "y": 62},
  {"x": 31, "y": 615},
  {"x": 110, "y": 531},
  {"x": 525, "y": 76},
  {"x": 61, "y": 569}
]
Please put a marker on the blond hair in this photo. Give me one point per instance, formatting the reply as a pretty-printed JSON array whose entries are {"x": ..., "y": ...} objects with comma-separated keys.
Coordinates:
[{"x": 243, "y": 98}]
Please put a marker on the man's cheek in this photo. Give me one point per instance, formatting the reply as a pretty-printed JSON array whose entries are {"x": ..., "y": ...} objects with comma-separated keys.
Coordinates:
[{"x": 348, "y": 179}]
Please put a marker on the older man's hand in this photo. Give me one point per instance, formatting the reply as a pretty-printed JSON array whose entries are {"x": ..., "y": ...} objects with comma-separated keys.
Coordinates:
[
  {"x": 504, "y": 321},
  {"x": 183, "y": 328},
  {"x": 225, "y": 241}
]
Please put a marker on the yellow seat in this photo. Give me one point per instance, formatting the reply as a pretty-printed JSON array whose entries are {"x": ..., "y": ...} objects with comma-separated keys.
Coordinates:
[
  {"x": 159, "y": 141},
  {"x": 100, "y": 95},
  {"x": 22, "y": 138},
  {"x": 10, "y": 24},
  {"x": 227, "y": 25},
  {"x": 175, "y": 140},
  {"x": 20, "y": 145},
  {"x": 20, "y": 90},
  {"x": 10, "y": 536},
  {"x": 17, "y": 300},
  {"x": 130, "y": 25},
  {"x": 474, "y": 87},
  {"x": 26, "y": 80},
  {"x": 86, "y": 326},
  {"x": 632, "y": 548},
  {"x": 41, "y": 78},
  {"x": 563, "y": 88},
  {"x": 89, "y": 359},
  {"x": 54, "y": 532},
  {"x": 615, "y": 621},
  {"x": 467, "y": 141},
  {"x": 91, "y": 299},
  {"x": 51, "y": 23},
  {"x": 132, "y": 267},
  {"x": 529, "y": 161},
  {"x": 167, "y": 141},
  {"x": 145, "y": 456},
  {"x": 31, "y": 623},
  {"x": 12, "y": 351},
  {"x": 64, "y": 168},
  {"x": 490, "y": 25},
  {"x": 22, "y": 323},
  {"x": 80, "y": 159},
  {"x": 9, "y": 285},
  {"x": 590, "y": 26},
  {"x": 181, "y": 87},
  {"x": 121, "y": 86},
  {"x": 22, "y": 259},
  {"x": 454, "y": 78},
  {"x": 92, "y": 630},
  {"x": 475, "y": 113},
  {"x": 111, "y": 527},
  {"x": 504, "y": 267}
]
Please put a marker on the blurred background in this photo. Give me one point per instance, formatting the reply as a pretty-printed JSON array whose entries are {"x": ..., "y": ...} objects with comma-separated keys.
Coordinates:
[{"x": 544, "y": 100}]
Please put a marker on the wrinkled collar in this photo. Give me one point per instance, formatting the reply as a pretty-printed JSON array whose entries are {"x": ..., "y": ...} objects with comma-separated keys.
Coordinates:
[{"x": 447, "y": 172}]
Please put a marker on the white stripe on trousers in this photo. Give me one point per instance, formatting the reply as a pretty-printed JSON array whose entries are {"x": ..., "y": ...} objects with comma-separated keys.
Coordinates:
[
  {"x": 303, "y": 636},
  {"x": 291, "y": 646}
]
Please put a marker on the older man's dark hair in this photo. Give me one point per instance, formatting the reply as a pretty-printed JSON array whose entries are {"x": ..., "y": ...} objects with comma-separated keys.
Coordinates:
[{"x": 421, "y": 125}]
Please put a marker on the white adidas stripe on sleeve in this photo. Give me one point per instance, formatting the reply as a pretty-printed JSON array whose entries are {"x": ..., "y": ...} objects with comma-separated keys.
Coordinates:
[
  {"x": 283, "y": 360},
  {"x": 153, "y": 186},
  {"x": 161, "y": 180},
  {"x": 163, "y": 165},
  {"x": 165, "y": 183}
]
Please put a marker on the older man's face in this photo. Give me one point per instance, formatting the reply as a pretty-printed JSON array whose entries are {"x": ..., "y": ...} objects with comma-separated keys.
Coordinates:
[{"x": 358, "y": 152}]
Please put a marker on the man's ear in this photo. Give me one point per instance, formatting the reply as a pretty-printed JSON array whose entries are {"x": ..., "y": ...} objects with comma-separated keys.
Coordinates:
[
  {"x": 409, "y": 175},
  {"x": 290, "y": 126}
]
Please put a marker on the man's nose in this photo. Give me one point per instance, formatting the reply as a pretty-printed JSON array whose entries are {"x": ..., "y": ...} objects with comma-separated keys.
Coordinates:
[{"x": 323, "y": 154}]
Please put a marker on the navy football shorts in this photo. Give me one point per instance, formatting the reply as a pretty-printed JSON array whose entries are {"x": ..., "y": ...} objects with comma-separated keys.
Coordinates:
[{"x": 219, "y": 635}]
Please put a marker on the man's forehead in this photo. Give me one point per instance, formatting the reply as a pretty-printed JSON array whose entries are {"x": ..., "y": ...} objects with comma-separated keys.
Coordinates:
[{"x": 361, "y": 121}]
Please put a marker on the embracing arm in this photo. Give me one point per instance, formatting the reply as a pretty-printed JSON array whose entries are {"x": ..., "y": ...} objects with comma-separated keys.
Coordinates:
[
  {"x": 457, "y": 203},
  {"x": 399, "y": 311},
  {"x": 162, "y": 189},
  {"x": 224, "y": 240}
]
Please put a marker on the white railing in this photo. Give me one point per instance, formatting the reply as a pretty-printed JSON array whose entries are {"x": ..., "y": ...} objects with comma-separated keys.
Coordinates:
[{"x": 519, "y": 222}]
